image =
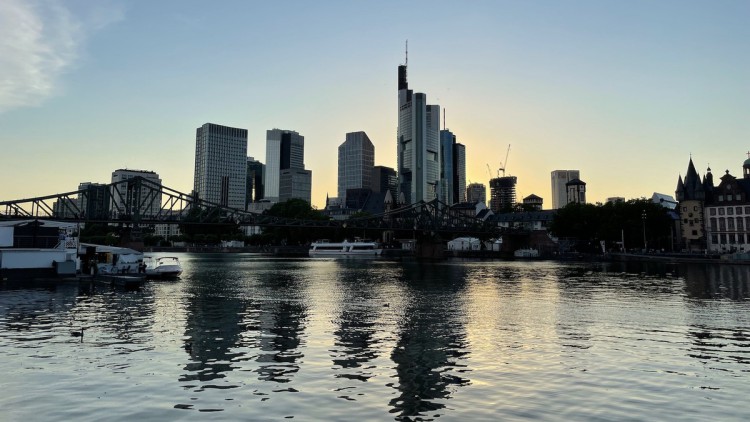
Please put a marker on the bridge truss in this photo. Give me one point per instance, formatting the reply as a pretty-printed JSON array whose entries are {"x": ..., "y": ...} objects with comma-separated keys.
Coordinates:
[{"x": 139, "y": 201}]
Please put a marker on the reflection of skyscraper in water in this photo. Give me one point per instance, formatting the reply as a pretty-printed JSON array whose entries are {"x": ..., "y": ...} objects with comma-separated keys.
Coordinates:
[
  {"x": 355, "y": 338},
  {"x": 281, "y": 323},
  {"x": 213, "y": 325},
  {"x": 431, "y": 344}
]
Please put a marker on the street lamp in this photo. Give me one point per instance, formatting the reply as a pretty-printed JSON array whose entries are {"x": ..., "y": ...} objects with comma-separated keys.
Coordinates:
[{"x": 643, "y": 217}]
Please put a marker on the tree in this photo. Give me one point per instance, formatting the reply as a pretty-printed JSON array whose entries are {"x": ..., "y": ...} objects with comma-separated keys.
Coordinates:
[
  {"x": 612, "y": 222},
  {"x": 208, "y": 225},
  {"x": 297, "y": 209}
]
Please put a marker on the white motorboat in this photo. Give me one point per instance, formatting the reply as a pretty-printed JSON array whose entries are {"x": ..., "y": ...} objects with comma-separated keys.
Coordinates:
[
  {"x": 162, "y": 267},
  {"x": 345, "y": 249},
  {"x": 526, "y": 253}
]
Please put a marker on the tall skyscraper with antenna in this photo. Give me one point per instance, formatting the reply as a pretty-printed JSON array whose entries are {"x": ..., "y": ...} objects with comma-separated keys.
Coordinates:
[{"x": 418, "y": 144}]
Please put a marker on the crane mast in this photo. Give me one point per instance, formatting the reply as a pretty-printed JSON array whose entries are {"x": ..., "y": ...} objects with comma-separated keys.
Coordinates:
[{"x": 505, "y": 163}]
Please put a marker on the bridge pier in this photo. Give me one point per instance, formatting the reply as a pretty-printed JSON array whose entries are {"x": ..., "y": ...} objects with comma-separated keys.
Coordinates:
[{"x": 429, "y": 247}]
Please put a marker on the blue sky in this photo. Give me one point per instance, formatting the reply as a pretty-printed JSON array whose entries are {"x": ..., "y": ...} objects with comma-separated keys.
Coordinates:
[{"x": 622, "y": 91}]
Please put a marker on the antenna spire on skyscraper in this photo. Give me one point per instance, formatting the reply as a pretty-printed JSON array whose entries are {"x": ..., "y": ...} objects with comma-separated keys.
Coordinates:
[{"x": 407, "y": 53}]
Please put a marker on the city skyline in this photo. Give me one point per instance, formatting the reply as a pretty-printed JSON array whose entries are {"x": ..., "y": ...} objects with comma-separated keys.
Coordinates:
[{"x": 625, "y": 93}]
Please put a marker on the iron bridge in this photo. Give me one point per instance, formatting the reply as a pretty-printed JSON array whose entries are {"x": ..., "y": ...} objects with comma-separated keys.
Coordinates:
[{"x": 140, "y": 202}]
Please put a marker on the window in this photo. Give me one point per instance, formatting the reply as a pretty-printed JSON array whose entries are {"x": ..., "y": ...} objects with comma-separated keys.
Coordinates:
[
  {"x": 722, "y": 225},
  {"x": 738, "y": 210},
  {"x": 740, "y": 225},
  {"x": 712, "y": 225},
  {"x": 741, "y": 238},
  {"x": 721, "y": 198},
  {"x": 729, "y": 197},
  {"x": 695, "y": 232},
  {"x": 712, "y": 211},
  {"x": 714, "y": 239},
  {"x": 732, "y": 239},
  {"x": 730, "y": 223},
  {"x": 721, "y": 211},
  {"x": 730, "y": 211},
  {"x": 723, "y": 238}
]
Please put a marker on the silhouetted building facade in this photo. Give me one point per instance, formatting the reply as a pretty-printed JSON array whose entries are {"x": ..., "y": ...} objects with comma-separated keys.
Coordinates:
[{"x": 576, "y": 189}]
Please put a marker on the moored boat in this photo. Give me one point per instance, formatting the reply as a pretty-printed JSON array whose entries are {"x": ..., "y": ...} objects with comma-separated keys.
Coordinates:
[
  {"x": 358, "y": 248},
  {"x": 527, "y": 253},
  {"x": 162, "y": 267}
]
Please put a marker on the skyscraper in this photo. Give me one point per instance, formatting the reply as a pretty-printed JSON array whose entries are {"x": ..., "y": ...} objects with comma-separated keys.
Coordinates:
[
  {"x": 452, "y": 169},
  {"x": 447, "y": 140},
  {"x": 384, "y": 179},
  {"x": 459, "y": 173},
  {"x": 255, "y": 171},
  {"x": 285, "y": 155},
  {"x": 559, "y": 191},
  {"x": 418, "y": 144},
  {"x": 356, "y": 160},
  {"x": 221, "y": 164}
]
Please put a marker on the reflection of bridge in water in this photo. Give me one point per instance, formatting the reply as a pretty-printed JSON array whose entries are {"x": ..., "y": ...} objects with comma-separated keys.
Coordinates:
[{"x": 139, "y": 201}]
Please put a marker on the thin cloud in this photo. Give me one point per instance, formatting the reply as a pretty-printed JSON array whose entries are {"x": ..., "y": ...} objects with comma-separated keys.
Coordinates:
[{"x": 38, "y": 42}]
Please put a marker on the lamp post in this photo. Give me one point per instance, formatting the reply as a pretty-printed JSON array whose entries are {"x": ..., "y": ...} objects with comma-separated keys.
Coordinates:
[{"x": 643, "y": 217}]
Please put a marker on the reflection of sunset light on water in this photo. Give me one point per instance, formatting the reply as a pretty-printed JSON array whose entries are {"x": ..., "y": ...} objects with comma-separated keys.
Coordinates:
[{"x": 259, "y": 337}]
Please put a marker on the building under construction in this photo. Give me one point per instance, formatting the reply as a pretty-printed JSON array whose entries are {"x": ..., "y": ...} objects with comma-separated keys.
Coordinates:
[{"x": 502, "y": 193}]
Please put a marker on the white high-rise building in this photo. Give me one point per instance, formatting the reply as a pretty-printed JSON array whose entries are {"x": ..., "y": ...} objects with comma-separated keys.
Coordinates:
[
  {"x": 285, "y": 150},
  {"x": 221, "y": 165},
  {"x": 121, "y": 194},
  {"x": 356, "y": 161},
  {"x": 559, "y": 191},
  {"x": 418, "y": 144}
]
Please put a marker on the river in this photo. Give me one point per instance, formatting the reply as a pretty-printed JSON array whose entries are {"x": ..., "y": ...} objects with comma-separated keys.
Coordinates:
[{"x": 249, "y": 337}]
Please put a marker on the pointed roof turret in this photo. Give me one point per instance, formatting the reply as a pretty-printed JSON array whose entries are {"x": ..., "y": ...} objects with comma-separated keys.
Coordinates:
[
  {"x": 692, "y": 185},
  {"x": 708, "y": 184},
  {"x": 680, "y": 191}
]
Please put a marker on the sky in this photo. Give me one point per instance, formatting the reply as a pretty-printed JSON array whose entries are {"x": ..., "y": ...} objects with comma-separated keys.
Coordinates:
[{"x": 624, "y": 92}]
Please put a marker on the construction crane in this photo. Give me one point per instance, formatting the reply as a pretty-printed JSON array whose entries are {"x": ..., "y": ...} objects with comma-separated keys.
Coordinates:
[
  {"x": 489, "y": 171},
  {"x": 505, "y": 163}
]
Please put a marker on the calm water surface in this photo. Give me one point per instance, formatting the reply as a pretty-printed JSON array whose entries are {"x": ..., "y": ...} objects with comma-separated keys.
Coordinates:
[{"x": 245, "y": 337}]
